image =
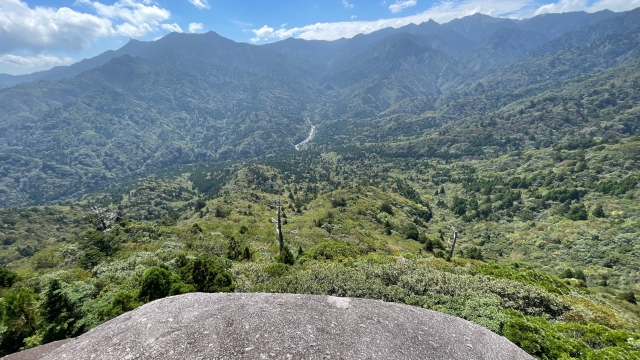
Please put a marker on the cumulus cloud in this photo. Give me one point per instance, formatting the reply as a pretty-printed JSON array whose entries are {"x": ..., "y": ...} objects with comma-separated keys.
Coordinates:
[
  {"x": 347, "y": 5},
  {"x": 583, "y": 5},
  {"x": 32, "y": 62},
  {"x": 22, "y": 27},
  {"x": 171, "y": 27},
  {"x": 195, "y": 27},
  {"x": 64, "y": 29},
  {"x": 401, "y": 5},
  {"x": 267, "y": 32},
  {"x": 140, "y": 18},
  {"x": 441, "y": 12},
  {"x": 200, "y": 4}
]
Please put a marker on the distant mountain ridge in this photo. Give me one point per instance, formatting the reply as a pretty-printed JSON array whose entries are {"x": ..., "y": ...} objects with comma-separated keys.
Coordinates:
[{"x": 473, "y": 29}]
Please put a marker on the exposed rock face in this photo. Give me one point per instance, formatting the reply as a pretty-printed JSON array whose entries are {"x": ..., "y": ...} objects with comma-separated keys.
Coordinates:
[{"x": 285, "y": 326}]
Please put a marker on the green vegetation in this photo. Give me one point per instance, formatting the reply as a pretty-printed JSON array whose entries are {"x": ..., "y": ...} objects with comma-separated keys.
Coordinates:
[
  {"x": 359, "y": 227},
  {"x": 531, "y": 155}
]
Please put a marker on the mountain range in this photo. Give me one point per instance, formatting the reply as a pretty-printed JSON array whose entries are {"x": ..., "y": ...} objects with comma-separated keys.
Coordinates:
[{"x": 194, "y": 98}]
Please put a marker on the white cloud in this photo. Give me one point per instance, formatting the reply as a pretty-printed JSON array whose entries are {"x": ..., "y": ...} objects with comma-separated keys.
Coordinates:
[
  {"x": 583, "y": 5},
  {"x": 200, "y": 4},
  {"x": 562, "y": 6},
  {"x": 266, "y": 32},
  {"x": 140, "y": 18},
  {"x": 34, "y": 30},
  {"x": 441, "y": 12},
  {"x": 353, "y": 17},
  {"x": 347, "y": 4},
  {"x": 195, "y": 27},
  {"x": 34, "y": 62},
  {"x": 22, "y": 27},
  {"x": 401, "y": 5},
  {"x": 172, "y": 27}
]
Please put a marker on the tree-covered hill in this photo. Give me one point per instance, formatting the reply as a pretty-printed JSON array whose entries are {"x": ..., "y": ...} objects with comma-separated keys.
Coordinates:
[
  {"x": 357, "y": 221},
  {"x": 199, "y": 98},
  {"x": 188, "y": 98}
]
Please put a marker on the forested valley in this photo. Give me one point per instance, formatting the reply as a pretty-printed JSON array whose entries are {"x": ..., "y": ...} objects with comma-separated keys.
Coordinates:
[{"x": 160, "y": 171}]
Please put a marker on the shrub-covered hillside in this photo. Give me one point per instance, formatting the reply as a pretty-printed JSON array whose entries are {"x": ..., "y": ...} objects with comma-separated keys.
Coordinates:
[{"x": 545, "y": 256}]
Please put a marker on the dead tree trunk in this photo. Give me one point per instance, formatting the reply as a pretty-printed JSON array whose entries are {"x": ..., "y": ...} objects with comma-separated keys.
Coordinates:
[
  {"x": 280, "y": 237},
  {"x": 453, "y": 244},
  {"x": 279, "y": 225},
  {"x": 103, "y": 218}
]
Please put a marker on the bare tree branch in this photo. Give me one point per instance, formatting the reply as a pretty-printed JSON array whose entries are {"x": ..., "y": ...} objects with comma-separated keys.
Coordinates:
[{"x": 104, "y": 219}]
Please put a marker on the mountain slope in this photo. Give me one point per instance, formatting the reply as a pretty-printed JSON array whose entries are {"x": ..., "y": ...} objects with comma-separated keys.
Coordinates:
[
  {"x": 392, "y": 70},
  {"x": 134, "y": 115},
  {"x": 197, "y": 98},
  {"x": 554, "y": 25}
]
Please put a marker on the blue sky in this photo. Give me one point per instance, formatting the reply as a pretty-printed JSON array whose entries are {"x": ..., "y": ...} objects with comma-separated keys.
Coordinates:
[{"x": 37, "y": 34}]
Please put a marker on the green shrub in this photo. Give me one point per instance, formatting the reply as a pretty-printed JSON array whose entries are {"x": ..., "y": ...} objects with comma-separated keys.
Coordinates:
[
  {"x": 475, "y": 253},
  {"x": 246, "y": 254},
  {"x": 96, "y": 246},
  {"x": 525, "y": 298},
  {"x": 596, "y": 336},
  {"x": 598, "y": 211},
  {"x": 525, "y": 274},
  {"x": 577, "y": 212},
  {"x": 179, "y": 288},
  {"x": 233, "y": 250},
  {"x": 207, "y": 274},
  {"x": 539, "y": 338},
  {"x": 409, "y": 283},
  {"x": 122, "y": 302},
  {"x": 546, "y": 340},
  {"x": 338, "y": 202},
  {"x": 566, "y": 274},
  {"x": 7, "y": 278},
  {"x": 481, "y": 309},
  {"x": 19, "y": 319},
  {"x": 615, "y": 187},
  {"x": 386, "y": 208},
  {"x": 196, "y": 228},
  {"x": 285, "y": 256},
  {"x": 327, "y": 279},
  {"x": 277, "y": 269},
  {"x": 330, "y": 250},
  {"x": 156, "y": 284},
  {"x": 628, "y": 296},
  {"x": 200, "y": 204},
  {"x": 61, "y": 315}
]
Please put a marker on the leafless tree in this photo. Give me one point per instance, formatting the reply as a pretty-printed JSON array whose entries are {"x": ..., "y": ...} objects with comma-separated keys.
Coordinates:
[
  {"x": 278, "y": 223},
  {"x": 453, "y": 243},
  {"x": 104, "y": 218}
]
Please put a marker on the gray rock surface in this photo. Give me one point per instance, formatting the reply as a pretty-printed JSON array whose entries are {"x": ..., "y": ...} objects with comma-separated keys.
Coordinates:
[
  {"x": 285, "y": 326},
  {"x": 37, "y": 352}
]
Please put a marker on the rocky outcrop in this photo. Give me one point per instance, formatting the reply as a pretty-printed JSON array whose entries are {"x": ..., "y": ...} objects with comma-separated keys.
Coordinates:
[{"x": 284, "y": 326}]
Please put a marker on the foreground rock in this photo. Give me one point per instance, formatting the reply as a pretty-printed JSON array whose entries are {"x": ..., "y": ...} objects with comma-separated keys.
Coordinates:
[
  {"x": 36, "y": 353},
  {"x": 285, "y": 326}
]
